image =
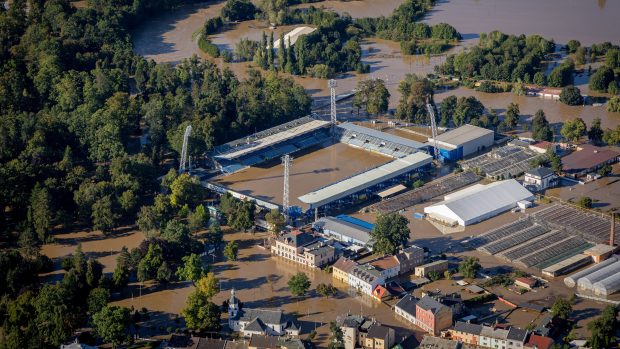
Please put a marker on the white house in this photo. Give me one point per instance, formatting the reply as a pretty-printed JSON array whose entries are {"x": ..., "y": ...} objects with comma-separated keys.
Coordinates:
[
  {"x": 540, "y": 178},
  {"x": 365, "y": 278},
  {"x": 259, "y": 321}
]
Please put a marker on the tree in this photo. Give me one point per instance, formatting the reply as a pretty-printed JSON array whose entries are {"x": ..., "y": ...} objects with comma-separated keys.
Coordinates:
[
  {"x": 434, "y": 275},
  {"x": 238, "y": 10},
  {"x": 561, "y": 308},
  {"x": 39, "y": 212},
  {"x": 275, "y": 220},
  {"x": 512, "y": 116},
  {"x": 571, "y": 95},
  {"x": 585, "y": 202},
  {"x": 198, "y": 219},
  {"x": 186, "y": 189},
  {"x": 336, "y": 341},
  {"x": 540, "y": 127},
  {"x": 147, "y": 220},
  {"x": 111, "y": 324},
  {"x": 298, "y": 284},
  {"x": 94, "y": 270},
  {"x": 595, "y": 133},
  {"x": 614, "y": 104},
  {"x": 602, "y": 329},
  {"x": 150, "y": 263},
  {"x": 201, "y": 314},
  {"x": 176, "y": 232},
  {"x": 555, "y": 160},
  {"x": 574, "y": 129},
  {"x": 53, "y": 317},
  {"x": 231, "y": 250},
  {"x": 447, "y": 275},
  {"x": 326, "y": 290},
  {"x": 469, "y": 267},
  {"x": 208, "y": 285},
  {"x": 572, "y": 46},
  {"x": 215, "y": 235},
  {"x": 192, "y": 269},
  {"x": 97, "y": 299},
  {"x": 104, "y": 218},
  {"x": 600, "y": 80},
  {"x": 372, "y": 95},
  {"x": 390, "y": 232},
  {"x": 164, "y": 273}
]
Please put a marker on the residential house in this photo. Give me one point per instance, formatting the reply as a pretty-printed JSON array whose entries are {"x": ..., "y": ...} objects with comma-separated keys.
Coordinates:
[
  {"x": 538, "y": 342},
  {"x": 466, "y": 333},
  {"x": 429, "y": 342},
  {"x": 388, "y": 291},
  {"x": 304, "y": 248},
  {"x": 368, "y": 334},
  {"x": 540, "y": 178},
  {"x": 489, "y": 337},
  {"x": 260, "y": 321},
  {"x": 516, "y": 338},
  {"x": 437, "y": 266},
  {"x": 365, "y": 278},
  {"x": 432, "y": 316},
  {"x": 342, "y": 268},
  {"x": 409, "y": 258},
  {"x": 493, "y": 337},
  {"x": 525, "y": 282},
  {"x": 387, "y": 266},
  {"x": 263, "y": 342},
  {"x": 406, "y": 308}
]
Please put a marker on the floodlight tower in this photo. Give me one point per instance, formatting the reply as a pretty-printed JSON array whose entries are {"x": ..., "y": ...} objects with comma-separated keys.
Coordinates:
[
  {"x": 287, "y": 161},
  {"x": 431, "y": 115},
  {"x": 188, "y": 132},
  {"x": 332, "y": 97}
]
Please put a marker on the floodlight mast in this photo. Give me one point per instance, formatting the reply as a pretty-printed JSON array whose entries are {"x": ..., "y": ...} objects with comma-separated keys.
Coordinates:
[{"x": 183, "y": 164}]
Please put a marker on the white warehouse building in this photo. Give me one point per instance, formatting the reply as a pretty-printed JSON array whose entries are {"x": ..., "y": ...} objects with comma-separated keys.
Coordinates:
[{"x": 478, "y": 202}]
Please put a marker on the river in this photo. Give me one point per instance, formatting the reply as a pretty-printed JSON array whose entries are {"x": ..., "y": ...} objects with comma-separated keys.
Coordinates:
[{"x": 168, "y": 38}]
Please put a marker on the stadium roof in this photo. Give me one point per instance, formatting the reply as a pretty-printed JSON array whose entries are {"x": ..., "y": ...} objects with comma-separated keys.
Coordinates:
[
  {"x": 365, "y": 180},
  {"x": 479, "y": 202},
  {"x": 462, "y": 135},
  {"x": 268, "y": 137},
  {"x": 382, "y": 135}
]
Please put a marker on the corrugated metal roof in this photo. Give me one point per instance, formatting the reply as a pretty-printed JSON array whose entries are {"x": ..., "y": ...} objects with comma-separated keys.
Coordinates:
[
  {"x": 382, "y": 135},
  {"x": 571, "y": 280},
  {"x": 462, "y": 135},
  {"x": 344, "y": 228},
  {"x": 366, "y": 179},
  {"x": 480, "y": 200}
]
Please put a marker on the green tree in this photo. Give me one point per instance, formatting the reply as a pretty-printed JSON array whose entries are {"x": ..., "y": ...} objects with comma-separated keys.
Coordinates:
[
  {"x": 585, "y": 202},
  {"x": 94, "y": 271},
  {"x": 201, "y": 314},
  {"x": 571, "y": 95},
  {"x": 299, "y": 284},
  {"x": 600, "y": 80},
  {"x": 540, "y": 79},
  {"x": 186, "y": 189},
  {"x": 231, "y": 250},
  {"x": 192, "y": 269},
  {"x": 540, "y": 127},
  {"x": 434, "y": 275},
  {"x": 602, "y": 329},
  {"x": 512, "y": 116},
  {"x": 275, "y": 220},
  {"x": 150, "y": 263},
  {"x": 215, "y": 235},
  {"x": 595, "y": 133},
  {"x": 561, "y": 308},
  {"x": 372, "y": 95},
  {"x": 198, "y": 219},
  {"x": 469, "y": 267},
  {"x": 574, "y": 129},
  {"x": 613, "y": 105},
  {"x": 336, "y": 340},
  {"x": 164, "y": 273},
  {"x": 104, "y": 218},
  {"x": 390, "y": 232},
  {"x": 111, "y": 324},
  {"x": 177, "y": 232},
  {"x": 238, "y": 10},
  {"x": 208, "y": 285},
  {"x": 53, "y": 315},
  {"x": 572, "y": 46},
  {"x": 97, "y": 299},
  {"x": 147, "y": 220},
  {"x": 39, "y": 212},
  {"x": 326, "y": 290}
]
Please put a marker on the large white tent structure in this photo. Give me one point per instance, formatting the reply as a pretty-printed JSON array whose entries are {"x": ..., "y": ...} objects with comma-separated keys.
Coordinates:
[{"x": 478, "y": 202}]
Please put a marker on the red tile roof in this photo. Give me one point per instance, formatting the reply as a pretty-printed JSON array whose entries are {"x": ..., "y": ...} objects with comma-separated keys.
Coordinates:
[
  {"x": 540, "y": 342},
  {"x": 588, "y": 157},
  {"x": 387, "y": 262}
]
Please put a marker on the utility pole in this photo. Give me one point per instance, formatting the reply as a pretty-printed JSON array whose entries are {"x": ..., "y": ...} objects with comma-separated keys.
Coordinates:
[
  {"x": 286, "y": 160},
  {"x": 188, "y": 132}
]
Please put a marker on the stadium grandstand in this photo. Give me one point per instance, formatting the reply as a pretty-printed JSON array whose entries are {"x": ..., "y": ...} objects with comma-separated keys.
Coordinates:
[
  {"x": 428, "y": 191},
  {"x": 349, "y": 189},
  {"x": 377, "y": 141},
  {"x": 270, "y": 144}
]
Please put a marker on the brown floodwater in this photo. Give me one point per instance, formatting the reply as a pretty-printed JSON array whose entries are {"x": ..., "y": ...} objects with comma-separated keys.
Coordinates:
[
  {"x": 360, "y": 8},
  {"x": 310, "y": 171},
  {"x": 562, "y": 20}
]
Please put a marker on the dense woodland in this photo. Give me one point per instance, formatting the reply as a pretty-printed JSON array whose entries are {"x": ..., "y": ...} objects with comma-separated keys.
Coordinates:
[
  {"x": 86, "y": 127},
  {"x": 335, "y": 46}
]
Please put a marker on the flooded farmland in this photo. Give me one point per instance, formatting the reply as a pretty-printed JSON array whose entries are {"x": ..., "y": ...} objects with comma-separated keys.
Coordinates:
[{"x": 312, "y": 169}]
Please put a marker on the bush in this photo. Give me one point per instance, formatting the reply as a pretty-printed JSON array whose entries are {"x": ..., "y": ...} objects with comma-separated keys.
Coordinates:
[
  {"x": 321, "y": 71},
  {"x": 208, "y": 47},
  {"x": 213, "y": 26},
  {"x": 585, "y": 202},
  {"x": 571, "y": 95}
]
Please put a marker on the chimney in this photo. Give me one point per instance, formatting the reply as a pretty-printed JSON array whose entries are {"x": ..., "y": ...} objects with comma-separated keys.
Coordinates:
[{"x": 612, "y": 234}]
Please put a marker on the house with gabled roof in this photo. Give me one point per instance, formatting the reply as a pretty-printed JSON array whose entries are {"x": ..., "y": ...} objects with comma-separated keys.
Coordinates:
[{"x": 260, "y": 321}]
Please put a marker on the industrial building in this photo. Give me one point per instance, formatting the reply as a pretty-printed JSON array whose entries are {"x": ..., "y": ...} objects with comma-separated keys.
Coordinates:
[
  {"x": 348, "y": 230},
  {"x": 463, "y": 141},
  {"x": 586, "y": 159},
  {"x": 348, "y": 190},
  {"x": 571, "y": 281},
  {"x": 478, "y": 202},
  {"x": 601, "y": 282}
]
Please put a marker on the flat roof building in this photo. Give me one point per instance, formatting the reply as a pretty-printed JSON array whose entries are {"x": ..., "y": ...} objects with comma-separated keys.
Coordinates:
[
  {"x": 586, "y": 159},
  {"x": 478, "y": 202},
  {"x": 463, "y": 141},
  {"x": 344, "y": 230}
]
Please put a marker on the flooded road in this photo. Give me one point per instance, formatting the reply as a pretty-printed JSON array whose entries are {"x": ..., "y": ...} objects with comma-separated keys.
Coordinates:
[{"x": 588, "y": 21}]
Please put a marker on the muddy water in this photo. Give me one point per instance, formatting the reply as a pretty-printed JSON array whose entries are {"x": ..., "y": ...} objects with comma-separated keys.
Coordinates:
[
  {"x": 309, "y": 172},
  {"x": 359, "y": 9},
  {"x": 557, "y": 19}
]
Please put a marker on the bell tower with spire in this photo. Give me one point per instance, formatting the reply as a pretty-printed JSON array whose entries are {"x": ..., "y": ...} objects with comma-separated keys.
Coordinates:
[{"x": 233, "y": 305}]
